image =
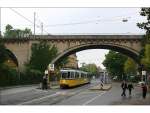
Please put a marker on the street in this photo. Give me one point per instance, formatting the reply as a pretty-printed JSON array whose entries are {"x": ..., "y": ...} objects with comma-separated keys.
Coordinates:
[{"x": 31, "y": 95}]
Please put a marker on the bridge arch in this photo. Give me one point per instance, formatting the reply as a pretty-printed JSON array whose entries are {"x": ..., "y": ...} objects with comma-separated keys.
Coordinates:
[
  {"x": 12, "y": 56},
  {"x": 115, "y": 47}
]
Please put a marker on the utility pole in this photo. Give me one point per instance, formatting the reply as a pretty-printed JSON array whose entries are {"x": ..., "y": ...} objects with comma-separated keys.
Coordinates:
[
  {"x": 34, "y": 23},
  {"x": 0, "y": 23},
  {"x": 42, "y": 28}
]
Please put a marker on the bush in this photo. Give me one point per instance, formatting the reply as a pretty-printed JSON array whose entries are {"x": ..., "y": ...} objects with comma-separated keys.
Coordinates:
[
  {"x": 31, "y": 77},
  {"x": 9, "y": 77}
]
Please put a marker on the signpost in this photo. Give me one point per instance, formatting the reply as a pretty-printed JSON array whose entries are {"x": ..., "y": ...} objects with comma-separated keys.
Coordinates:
[
  {"x": 144, "y": 76},
  {"x": 51, "y": 67},
  {"x": 143, "y": 72},
  {"x": 50, "y": 71},
  {"x": 46, "y": 72}
]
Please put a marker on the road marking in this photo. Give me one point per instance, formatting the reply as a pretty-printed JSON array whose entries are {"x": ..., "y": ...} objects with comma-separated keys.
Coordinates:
[
  {"x": 89, "y": 101},
  {"x": 57, "y": 93},
  {"x": 38, "y": 99},
  {"x": 90, "y": 92}
]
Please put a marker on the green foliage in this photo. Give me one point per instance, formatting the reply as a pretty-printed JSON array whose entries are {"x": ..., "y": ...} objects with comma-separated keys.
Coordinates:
[
  {"x": 8, "y": 76},
  {"x": 114, "y": 63},
  {"x": 130, "y": 67},
  {"x": 146, "y": 59},
  {"x": 91, "y": 68},
  {"x": 3, "y": 53},
  {"x": 10, "y": 32},
  {"x": 42, "y": 55},
  {"x": 145, "y": 25},
  {"x": 62, "y": 63},
  {"x": 31, "y": 76}
]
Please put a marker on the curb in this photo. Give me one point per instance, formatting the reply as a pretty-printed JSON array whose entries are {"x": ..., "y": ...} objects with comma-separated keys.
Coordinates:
[
  {"x": 101, "y": 89},
  {"x": 18, "y": 86},
  {"x": 54, "y": 87}
]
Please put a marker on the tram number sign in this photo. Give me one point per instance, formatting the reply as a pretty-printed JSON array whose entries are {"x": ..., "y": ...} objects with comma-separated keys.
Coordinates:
[{"x": 51, "y": 67}]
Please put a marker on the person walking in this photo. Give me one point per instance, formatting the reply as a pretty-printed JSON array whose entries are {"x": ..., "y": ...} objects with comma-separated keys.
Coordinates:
[
  {"x": 44, "y": 82},
  {"x": 124, "y": 87},
  {"x": 130, "y": 87},
  {"x": 144, "y": 90}
]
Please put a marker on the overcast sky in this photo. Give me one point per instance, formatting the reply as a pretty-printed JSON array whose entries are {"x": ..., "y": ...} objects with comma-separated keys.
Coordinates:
[{"x": 76, "y": 21}]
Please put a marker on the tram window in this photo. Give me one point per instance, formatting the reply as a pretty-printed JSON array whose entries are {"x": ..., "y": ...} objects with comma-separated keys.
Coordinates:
[
  {"x": 85, "y": 75},
  {"x": 72, "y": 75},
  {"x": 63, "y": 75},
  {"x": 82, "y": 75},
  {"x": 77, "y": 75},
  {"x": 69, "y": 74}
]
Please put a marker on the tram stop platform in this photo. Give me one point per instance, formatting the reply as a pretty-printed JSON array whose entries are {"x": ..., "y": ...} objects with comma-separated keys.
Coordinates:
[{"x": 105, "y": 87}]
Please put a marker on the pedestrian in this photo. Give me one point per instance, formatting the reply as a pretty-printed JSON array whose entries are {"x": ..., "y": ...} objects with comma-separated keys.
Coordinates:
[
  {"x": 144, "y": 90},
  {"x": 124, "y": 87},
  {"x": 44, "y": 82},
  {"x": 130, "y": 87}
]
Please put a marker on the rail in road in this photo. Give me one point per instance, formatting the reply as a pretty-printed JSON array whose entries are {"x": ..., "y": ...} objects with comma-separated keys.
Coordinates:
[
  {"x": 75, "y": 96},
  {"x": 32, "y": 95}
]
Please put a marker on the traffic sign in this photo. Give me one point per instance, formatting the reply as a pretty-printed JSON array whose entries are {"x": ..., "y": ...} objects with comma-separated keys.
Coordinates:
[
  {"x": 143, "y": 72},
  {"x": 46, "y": 72},
  {"x": 51, "y": 67}
]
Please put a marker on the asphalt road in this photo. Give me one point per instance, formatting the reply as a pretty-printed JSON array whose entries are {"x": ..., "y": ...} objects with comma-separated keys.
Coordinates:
[
  {"x": 31, "y": 95},
  {"x": 75, "y": 96},
  {"x": 110, "y": 97}
]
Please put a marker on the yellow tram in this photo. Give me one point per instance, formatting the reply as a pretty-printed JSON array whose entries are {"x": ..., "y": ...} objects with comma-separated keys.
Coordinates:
[{"x": 72, "y": 78}]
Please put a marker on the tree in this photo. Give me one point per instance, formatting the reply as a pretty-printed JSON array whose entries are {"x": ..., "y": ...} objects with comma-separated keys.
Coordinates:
[
  {"x": 114, "y": 63},
  {"x": 145, "y": 25},
  {"x": 62, "y": 63},
  {"x": 91, "y": 68},
  {"x": 42, "y": 55},
  {"x": 145, "y": 54},
  {"x": 10, "y": 32},
  {"x": 130, "y": 67},
  {"x": 27, "y": 32},
  {"x": 146, "y": 59}
]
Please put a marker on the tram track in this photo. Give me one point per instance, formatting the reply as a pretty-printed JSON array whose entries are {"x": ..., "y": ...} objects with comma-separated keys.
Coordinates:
[{"x": 58, "y": 96}]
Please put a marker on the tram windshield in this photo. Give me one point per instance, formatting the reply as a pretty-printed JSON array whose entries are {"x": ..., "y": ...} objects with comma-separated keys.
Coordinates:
[{"x": 66, "y": 75}]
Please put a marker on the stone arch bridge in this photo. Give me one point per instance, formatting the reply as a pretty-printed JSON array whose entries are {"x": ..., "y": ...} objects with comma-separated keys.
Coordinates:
[{"x": 20, "y": 48}]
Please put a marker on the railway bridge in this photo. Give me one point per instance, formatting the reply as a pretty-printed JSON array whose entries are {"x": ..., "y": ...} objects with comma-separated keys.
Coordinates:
[{"x": 20, "y": 48}]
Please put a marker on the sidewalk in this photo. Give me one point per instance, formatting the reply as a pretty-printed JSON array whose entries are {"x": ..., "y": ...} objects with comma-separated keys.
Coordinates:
[
  {"x": 105, "y": 87},
  {"x": 17, "y": 86},
  {"x": 53, "y": 85},
  {"x": 134, "y": 101}
]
